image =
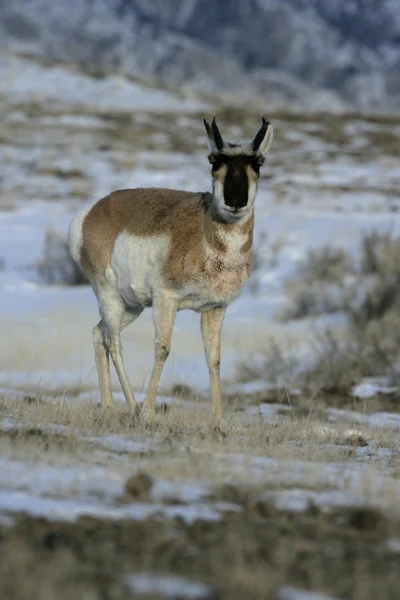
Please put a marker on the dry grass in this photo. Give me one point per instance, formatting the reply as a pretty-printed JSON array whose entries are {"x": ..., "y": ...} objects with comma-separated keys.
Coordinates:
[
  {"x": 377, "y": 298},
  {"x": 176, "y": 425},
  {"x": 8, "y": 202},
  {"x": 385, "y": 142},
  {"x": 183, "y": 444},
  {"x": 276, "y": 364},
  {"x": 319, "y": 285},
  {"x": 341, "y": 360},
  {"x": 254, "y": 456},
  {"x": 253, "y": 550},
  {"x": 326, "y": 264},
  {"x": 366, "y": 289},
  {"x": 380, "y": 254},
  {"x": 311, "y": 300}
]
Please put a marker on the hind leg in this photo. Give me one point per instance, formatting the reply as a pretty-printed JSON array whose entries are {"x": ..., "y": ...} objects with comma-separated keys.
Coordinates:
[
  {"x": 115, "y": 318},
  {"x": 103, "y": 364},
  {"x": 116, "y": 355}
]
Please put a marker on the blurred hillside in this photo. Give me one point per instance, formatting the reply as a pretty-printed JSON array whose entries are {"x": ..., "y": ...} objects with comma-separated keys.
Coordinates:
[{"x": 317, "y": 54}]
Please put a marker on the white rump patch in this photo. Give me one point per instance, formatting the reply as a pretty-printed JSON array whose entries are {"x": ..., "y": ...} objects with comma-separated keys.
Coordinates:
[{"x": 75, "y": 235}]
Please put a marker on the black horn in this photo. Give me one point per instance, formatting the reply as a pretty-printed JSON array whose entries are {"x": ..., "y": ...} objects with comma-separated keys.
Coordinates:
[
  {"x": 219, "y": 142},
  {"x": 255, "y": 144}
]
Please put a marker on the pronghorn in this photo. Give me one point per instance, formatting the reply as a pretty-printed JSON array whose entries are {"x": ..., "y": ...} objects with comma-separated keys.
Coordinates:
[{"x": 171, "y": 250}]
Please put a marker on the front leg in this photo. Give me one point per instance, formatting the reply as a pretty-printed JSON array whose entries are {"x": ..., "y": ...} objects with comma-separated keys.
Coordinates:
[
  {"x": 211, "y": 326},
  {"x": 164, "y": 311}
]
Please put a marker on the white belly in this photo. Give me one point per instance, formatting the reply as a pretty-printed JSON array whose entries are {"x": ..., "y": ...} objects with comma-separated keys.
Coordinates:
[
  {"x": 136, "y": 272},
  {"x": 137, "y": 264}
]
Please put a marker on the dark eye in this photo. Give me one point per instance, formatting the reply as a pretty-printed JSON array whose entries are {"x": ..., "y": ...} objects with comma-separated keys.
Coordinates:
[
  {"x": 216, "y": 164},
  {"x": 256, "y": 168}
]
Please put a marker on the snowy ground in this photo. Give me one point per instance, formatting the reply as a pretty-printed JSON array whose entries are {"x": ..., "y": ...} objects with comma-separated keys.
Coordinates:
[
  {"x": 65, "y": 465},
  {"x": 354, "y": 467},
  {"x": 66, "y": 139},
  {"x": 61, "y": 144}
]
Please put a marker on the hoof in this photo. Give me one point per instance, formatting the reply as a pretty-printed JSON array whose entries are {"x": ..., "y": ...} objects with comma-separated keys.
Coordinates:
[
  {"x": 147, "y": 416},
  {"x": 221, "y": 426},
  {"x": 108, "y": 407},
  {"x": 135, "y": 412}
]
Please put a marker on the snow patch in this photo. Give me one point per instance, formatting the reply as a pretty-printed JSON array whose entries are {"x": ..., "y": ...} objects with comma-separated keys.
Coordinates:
[
  {"x": 371, "y": 386},
  {"x": 167, "y": 586},
  {"x": 292, "y": 593}
]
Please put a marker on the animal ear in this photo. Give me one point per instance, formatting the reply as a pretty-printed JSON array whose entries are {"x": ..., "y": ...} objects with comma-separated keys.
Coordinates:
[
  {"x": 264, "y": 137},
  {"x": 215, "y": 141}
]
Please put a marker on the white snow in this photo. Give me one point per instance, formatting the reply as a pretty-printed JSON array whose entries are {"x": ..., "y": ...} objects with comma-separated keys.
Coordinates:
[
  {"x": 330, "y": 433},
  {"x": 299, "y": 499},
  {"x": 292, "y": 593},
  {"x": 393, "y": 545},
  {"x": 167, "y": 586},
  {"x": 370, "y": 386},
  {"x": 187, "y": 492},
  {"x": 66, "y": 491},
  {"x": 269, "y": 409},
  {"x": 25, "y": 80},
  {"x": 70, "y": 510},
  {"x": 378, "y": 420}
]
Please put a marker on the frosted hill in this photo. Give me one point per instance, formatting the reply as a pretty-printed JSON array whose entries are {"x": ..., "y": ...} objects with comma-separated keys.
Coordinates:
[{"x": 313, "y": 53}]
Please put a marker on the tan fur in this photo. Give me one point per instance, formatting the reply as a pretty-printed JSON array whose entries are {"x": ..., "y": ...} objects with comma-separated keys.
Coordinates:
[
  {"x": 186, "y": 217},
  {"x": 170, "y": 250},
  {"x": 142, "y": 211},
  {"x": 251, "y": 174}
]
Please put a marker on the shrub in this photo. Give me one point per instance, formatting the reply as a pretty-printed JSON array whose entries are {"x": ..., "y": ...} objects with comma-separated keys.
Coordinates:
[
  {"x": 311, "y": 300},
  {"x": 57, "y": 266},
  {"x": 327, "y": 264},
  {"x": 367, "y": 291},
  {"x": 380, "y": 254}
]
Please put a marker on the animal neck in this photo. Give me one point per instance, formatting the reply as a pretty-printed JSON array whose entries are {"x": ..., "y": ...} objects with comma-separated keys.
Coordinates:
[{"x": 232, "y": 242}]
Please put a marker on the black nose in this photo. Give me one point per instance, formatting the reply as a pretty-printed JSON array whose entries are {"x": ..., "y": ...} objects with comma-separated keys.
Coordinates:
[{"x": 236, "y": 191}]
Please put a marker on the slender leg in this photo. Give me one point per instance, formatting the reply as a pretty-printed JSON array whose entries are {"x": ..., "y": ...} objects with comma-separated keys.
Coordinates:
[
  {"x": 115, "y": 319},
  {"x": 164, "y": 311},
  {"x": 116, "y": 355},
  {"x": 103, "y": 365},
  {"x": 211, "y": 326}
]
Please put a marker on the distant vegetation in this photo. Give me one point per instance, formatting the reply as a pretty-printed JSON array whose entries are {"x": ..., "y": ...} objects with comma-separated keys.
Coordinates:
[
  {"x": 313, "y": 53},
  {"x": 366, "y": 290},
  {"x": 57, "y": 266}
]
